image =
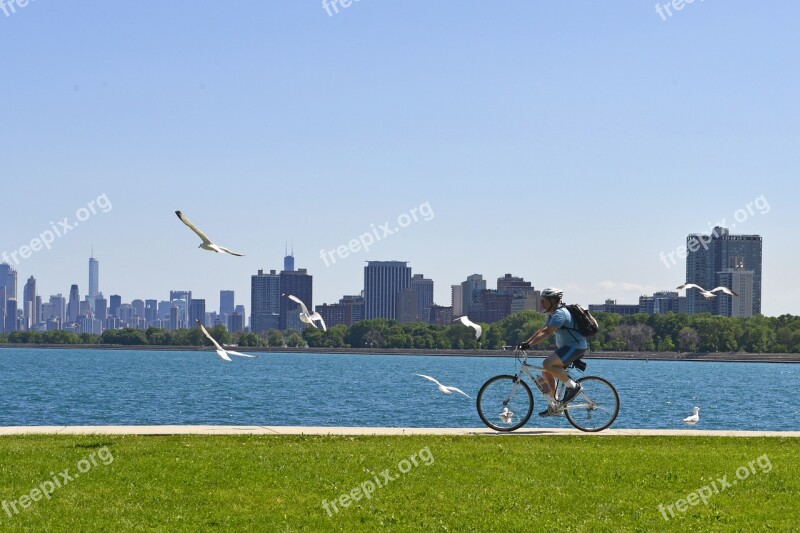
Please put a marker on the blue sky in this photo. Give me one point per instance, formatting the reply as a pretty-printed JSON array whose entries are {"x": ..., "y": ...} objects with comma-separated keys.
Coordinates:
[{"x": 569, "y": 143}]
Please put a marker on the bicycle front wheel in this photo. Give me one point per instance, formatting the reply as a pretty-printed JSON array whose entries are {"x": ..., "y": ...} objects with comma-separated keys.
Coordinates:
[
  {"x": 505, "y": 403},
  {"x": 595, "y": 407}
]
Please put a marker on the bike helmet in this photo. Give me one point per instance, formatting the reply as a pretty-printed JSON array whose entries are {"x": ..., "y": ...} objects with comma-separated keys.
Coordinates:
[{"x": 552, "y": 292}]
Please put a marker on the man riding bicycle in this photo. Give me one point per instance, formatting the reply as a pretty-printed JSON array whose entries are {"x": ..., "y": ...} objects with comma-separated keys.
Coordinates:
[{"x": 570, "y": 346}]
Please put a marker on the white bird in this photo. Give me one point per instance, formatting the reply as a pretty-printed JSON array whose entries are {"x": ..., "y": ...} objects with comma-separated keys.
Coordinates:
[
  {"x": 469, "y": 323},
  {"x": 695, "y": 418},
  {"x": 305, "y": 316},
  {"x": 705, "y": 293},
  {"x": 443, "y": 388},
  {"x": 206, "y": 244},
  {"x": 221, "y": 352},
  {"x": 506, "y": 415}
]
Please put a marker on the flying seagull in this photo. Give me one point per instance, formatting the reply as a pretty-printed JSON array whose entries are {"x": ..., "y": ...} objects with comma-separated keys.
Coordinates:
[
  {"x": 695, "y": 418},
  {"x": 221, "y": 352},
  {"x": 206, "y": 244},
  {"x": 443, "y": 388},
  {"x": 469, "y": 323},
  {"x": 305, "y": 316},
  {"x": 705, "y": 293}
]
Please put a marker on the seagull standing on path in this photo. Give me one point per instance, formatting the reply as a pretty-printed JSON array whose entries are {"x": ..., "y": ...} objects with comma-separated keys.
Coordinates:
[
  {"x": 695, "y": 418},
  {"x": 470, "y": 324},
  {"x": 221, "y": 352},
  {"x": 705, "y": 293},
  {"x": 206, "y": 244},
  {"x": 443, "y": 388},
  {"x": 305, "y": 316}
]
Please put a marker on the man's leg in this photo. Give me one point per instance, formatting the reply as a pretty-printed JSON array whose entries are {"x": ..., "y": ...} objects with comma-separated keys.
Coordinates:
[{"x": 556, "y": 363}]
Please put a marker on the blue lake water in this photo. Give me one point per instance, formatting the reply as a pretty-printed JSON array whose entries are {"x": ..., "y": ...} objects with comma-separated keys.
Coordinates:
[{"x": 121, "y": 387}]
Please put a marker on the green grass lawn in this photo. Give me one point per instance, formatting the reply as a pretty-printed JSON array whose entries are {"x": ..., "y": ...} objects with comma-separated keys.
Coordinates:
[{"x": 480, "y": 483}]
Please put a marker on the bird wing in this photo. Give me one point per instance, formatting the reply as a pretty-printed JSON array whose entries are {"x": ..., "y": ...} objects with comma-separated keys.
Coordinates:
[
  {"x": 457, "y": 390},
  {"x": 469, "y": 323},
  {"x": 192, "y": 227},
  {"x": 231, "y": 352},
  {"x": 428, "y": 377},
  {"x": 690, "y": 286},
  {"x": 223, "y": 355},
  {"x": 317, "y": 316},
  {"x": 303, "y": 307},
  {"x": 726, "y": 290},
  {"x": 229, "y": 251},
  {"x": 205, "y": 332},
  {"x": 478, "y": 332}
]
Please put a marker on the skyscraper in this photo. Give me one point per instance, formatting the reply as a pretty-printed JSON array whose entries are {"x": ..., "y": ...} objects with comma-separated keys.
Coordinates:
[
  {"x": 298, "y": 283},
  {"x": 265, "y": 296},
  {"x": 114, "y": 304},
  {"x": 383, "y": 281},
  {"x": 712, "y": 260},
  {"x": 288, "y": 260},
  {"x": 59, "y": 304},
  {"x": 29, "y": 303},
  {"x": 423, "y": 288},
  {"x": 74, "y": 305},
  {"x": 226, "y": 302},
  {"x": 197, "y": 311},
  {"x": 94, "y": 278},
  {"x": 182, "y": 299},
  {"x": 8, "y": 291},
  {"x": 471, "y": 293}
]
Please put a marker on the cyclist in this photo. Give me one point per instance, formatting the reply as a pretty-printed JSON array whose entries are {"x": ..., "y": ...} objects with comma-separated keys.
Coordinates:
[{"x": 570, "y": 346}]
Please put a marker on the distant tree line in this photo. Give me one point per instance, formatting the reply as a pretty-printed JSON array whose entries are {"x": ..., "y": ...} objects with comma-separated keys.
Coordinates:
[{"x": 641, "y": 332}]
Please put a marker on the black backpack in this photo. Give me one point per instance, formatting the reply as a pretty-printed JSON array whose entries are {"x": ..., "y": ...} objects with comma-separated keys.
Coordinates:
[{"x": 585, "y": 323}]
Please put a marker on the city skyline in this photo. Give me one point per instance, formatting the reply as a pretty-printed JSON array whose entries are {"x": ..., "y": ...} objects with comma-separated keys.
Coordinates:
[
  {"x": 549, "y": 146},
  {"x": 378, "y": 275}
]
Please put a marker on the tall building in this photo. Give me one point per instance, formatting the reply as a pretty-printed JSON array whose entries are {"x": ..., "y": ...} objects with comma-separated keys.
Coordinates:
[
  {"x": 182, "y": 299},
  {"x": 742, "y": 282},
  {"x": 74, "y": 305},
  {"x": 29, "y": 303},
  {"x": 11, "y": 315},
  {"x": 456, "y": 300},
  {"x": 710, "y": 261},
  {"x": 300, "y": 284},
  {"x": 59, "y": 304},
  {"x": 235, "y": 322},
  {"x": 406, "y": 306},
  {"x": 8, "y": 291},
  {"x": 383, "y": 281},
  {"x": 114, "y": 304},
  {"x": 265, "y": 301},
  {"x": 94, "y": 279},
  {"x": 288, "y": 260},
  {"x": 523, "y": 294},
  {"x": 197, "y": 311},
  {"x": 101, "y": 309},
  {"x": 39, "y": 318},
  {"x": 442, "y": 316},
  {"x": 660, "y": 303},
  {"x": 423, "y": 288},
  {"x": 348, "y": 311},
  {"x": 150, "y": 312},
  {"x": 226, "y": 302},
  {"x": 471, "y": 293},
  {"x": 138, "y": 308}
]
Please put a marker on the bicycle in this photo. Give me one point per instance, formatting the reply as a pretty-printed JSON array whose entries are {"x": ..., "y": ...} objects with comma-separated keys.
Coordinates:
[{"x": 509, "y": 400}]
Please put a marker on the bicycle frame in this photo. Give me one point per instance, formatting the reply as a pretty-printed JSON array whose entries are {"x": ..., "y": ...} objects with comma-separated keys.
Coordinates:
[{"x": 528, "y": 369}]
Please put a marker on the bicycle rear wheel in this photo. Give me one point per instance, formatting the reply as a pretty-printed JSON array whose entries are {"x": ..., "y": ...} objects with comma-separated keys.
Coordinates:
[
  {"x": 595, "y": 407},
  {"x": 505, "y": 404}
]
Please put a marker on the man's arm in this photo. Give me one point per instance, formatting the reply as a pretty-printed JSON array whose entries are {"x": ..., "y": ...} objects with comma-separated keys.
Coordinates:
[{"x": 541, "y": 334}]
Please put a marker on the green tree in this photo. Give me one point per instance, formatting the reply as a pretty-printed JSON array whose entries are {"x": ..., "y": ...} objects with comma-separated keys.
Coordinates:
[
  {"x": 275, "y": 339},
  {"x": 60, "y": 337},
  {"x": 688, "y": 339},
  {"x": 294, "y": 339},
  {"x": 248, "y": 339}
]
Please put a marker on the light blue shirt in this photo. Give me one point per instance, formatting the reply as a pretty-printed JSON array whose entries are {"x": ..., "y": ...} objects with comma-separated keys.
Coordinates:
[{"x": 566, "y": 337}]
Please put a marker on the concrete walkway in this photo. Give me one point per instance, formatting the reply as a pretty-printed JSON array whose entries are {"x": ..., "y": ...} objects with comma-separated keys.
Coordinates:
[{"x": 311, "y": 430}]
